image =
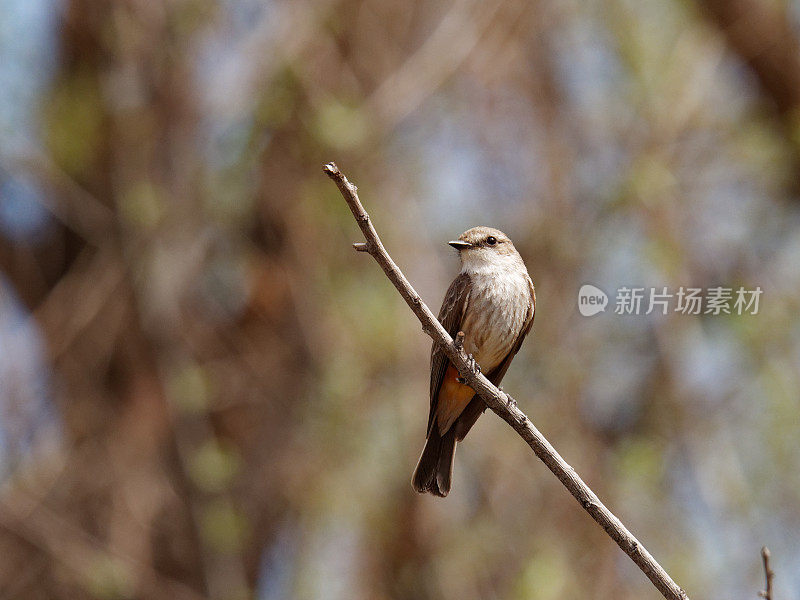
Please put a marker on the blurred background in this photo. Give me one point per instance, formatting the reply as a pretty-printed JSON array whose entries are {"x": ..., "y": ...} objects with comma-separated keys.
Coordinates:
[{"x": 205, "y": 393}]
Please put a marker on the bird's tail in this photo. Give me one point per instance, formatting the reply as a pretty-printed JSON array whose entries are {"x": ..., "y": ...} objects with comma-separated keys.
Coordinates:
[{"x": 435, "y": 467}]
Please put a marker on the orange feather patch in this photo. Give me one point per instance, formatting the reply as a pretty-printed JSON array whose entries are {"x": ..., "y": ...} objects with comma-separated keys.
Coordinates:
[{"x": 453, "y": 399}]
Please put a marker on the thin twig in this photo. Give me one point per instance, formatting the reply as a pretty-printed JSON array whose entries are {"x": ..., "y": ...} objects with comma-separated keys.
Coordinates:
[
  {"x": 502, "y": 404},
  {"x": 769, "y": 574}
]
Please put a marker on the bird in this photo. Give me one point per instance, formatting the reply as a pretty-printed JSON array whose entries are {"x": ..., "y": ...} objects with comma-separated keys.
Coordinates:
[{"x": 493, "y": 301}]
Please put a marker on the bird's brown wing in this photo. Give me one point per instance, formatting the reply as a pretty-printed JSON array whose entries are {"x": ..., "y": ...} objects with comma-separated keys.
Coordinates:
[
  {"x": 476, "y": 406},
  {"x": 451, "y": 317}
]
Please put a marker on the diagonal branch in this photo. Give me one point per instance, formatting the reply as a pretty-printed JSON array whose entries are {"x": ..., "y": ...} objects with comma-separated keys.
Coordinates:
[{"x": 501, "y": 403}]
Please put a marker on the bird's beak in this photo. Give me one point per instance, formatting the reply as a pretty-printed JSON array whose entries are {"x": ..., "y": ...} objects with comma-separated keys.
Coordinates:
[{"x": 459, "y": 245}]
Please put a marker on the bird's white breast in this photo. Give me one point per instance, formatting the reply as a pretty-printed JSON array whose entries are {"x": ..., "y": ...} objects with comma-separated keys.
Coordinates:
[{"x": 496, "y": 313}]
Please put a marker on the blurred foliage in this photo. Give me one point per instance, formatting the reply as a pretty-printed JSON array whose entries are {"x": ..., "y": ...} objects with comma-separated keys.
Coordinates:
[{"x": 204, "y": 393}]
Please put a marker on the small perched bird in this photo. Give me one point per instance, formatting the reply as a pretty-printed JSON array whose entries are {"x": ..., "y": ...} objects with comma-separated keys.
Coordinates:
[{"x": 492, "y": 301}]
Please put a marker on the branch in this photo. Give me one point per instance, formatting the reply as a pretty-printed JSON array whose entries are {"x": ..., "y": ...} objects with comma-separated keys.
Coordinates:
[
  {"x": 501, "y": 403},
  {"x": 769, "y": 574}
]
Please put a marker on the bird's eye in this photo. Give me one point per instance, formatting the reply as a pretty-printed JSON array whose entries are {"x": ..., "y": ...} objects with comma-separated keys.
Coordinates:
[{"x": 491, "y": 240}]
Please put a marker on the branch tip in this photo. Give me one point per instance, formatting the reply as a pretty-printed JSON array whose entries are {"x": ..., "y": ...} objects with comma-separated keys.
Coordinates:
[
  {"x": 459, "y": 341},
  {"x": 769, "y": 574}
]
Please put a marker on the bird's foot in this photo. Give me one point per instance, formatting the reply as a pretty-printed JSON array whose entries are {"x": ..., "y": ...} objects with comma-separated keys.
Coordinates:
[{"x": 473, "y": 366}]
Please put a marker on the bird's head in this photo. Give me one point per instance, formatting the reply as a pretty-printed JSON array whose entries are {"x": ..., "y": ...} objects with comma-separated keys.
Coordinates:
[{"x": 485, "y": 248}]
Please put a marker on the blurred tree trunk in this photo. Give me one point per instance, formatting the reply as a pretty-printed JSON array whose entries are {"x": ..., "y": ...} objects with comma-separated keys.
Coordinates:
[
  {"x": 110, "y": 401},
  {"x": 763, "y": 36},
  {"x": 115, "y": 368}
]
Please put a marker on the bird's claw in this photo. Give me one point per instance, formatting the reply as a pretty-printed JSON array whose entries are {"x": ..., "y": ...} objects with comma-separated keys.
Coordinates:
[{"x": 473, "y": 366}]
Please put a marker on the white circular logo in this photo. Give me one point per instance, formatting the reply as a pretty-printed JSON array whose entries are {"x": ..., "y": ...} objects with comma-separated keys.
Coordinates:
[{"x": 591, "y": 300}]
